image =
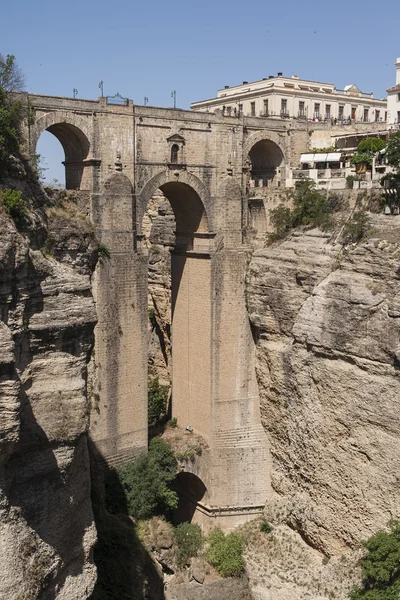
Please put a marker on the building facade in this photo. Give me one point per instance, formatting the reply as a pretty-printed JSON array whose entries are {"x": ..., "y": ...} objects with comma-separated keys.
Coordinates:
[
  {"x": 393, "y": 101},
  {"x": 295, "y": 98}
]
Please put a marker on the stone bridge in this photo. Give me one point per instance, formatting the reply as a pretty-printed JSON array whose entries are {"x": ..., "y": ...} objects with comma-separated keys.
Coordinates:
[{"x": 120, "y": 155}]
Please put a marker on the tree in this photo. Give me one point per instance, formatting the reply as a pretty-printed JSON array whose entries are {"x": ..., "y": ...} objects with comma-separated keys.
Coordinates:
[
  {"x": 11, "y": 76},
  {"x": 372, "y": 144},
  {"x": 11, "y": 111},
  {"x": 393, "y": 151}
]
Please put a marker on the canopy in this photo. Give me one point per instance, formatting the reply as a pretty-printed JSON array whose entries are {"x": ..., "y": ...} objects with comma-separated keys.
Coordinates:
[{"x": 321, "y": 157}]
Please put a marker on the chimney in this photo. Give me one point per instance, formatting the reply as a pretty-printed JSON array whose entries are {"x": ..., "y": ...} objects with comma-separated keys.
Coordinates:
[
  {"x": 398, "y": 71},
  {"x": 245, "y": 82},
  {"x": 271, "y": 77},
  {"x": 280, "y": 74},
  {"x": 226, "y": 87}
]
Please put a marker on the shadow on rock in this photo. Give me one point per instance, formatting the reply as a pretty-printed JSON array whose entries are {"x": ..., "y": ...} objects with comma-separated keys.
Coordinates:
[{"x": 125, "y": 570}]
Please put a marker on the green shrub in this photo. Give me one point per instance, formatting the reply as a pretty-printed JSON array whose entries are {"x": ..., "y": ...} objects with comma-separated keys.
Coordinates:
[
  {"x": 103, "y": 253},
  {"x": 16, "y": 207},
  {"x": 356, "y": 228},
  {"x": 152, "y": 317},
  {"x": 225, "y": 553},
  {"x": 145, "y": 482},
  {"x": 11, "y": 114},
  {"x": 281, "y": 218},
  {"x": 265, "y": 527},
  {"x": 380, "y": 567},
  {"x": 361, "y": 157},
  {"x": 157, "y": 401},
  {"x": 310, "y": 206},
  {"x": 372, "y": 144},
  {"x": 190, "y": 541}
]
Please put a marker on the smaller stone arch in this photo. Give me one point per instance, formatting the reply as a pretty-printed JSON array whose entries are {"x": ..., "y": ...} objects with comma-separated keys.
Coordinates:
[
  {"x": 191, "y": 491},
  {"x": 75, "y": 135},
  {"x": 265, "y": 156},
  {"x": 188, "y": 196}
]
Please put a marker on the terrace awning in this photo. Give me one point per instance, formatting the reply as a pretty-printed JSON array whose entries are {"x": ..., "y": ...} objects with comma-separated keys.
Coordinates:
[{"x": 321, "y": 157}]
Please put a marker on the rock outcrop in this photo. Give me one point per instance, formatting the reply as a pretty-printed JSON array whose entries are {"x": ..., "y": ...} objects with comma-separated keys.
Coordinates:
[
  {"x": 327, "y": 326},
  {"x": 47, "y": 316}
]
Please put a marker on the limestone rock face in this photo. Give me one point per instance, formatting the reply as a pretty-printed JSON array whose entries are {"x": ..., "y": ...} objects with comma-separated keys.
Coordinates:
[
  {"x": 47, "y": 316},
  {"x": 328, "y": 332}
]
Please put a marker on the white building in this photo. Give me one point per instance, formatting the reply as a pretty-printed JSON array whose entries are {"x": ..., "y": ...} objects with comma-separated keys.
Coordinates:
[
  {"x": 393, "y": 101},
  {"x": 291, "y": 97}
]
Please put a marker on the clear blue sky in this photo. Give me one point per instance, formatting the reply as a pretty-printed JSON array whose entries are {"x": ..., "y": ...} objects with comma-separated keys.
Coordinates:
[{"x": 150, "y": 48}]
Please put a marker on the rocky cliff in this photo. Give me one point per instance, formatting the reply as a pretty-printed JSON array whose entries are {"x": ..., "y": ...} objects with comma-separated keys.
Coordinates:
[
  {"x": 327, "y": 327},
  {"x": 46, "y": 334}
]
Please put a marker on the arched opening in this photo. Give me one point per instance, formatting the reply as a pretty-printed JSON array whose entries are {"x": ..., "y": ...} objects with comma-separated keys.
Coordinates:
[
  {"x": 175, "y": 229},
  {"x": 265, "y": 160},
  {"x": 191, "y": 490},
  {"x": 174, "y": 153},
  {"x": 76, "y": 147},
  {"x": 50, "y": 157}
]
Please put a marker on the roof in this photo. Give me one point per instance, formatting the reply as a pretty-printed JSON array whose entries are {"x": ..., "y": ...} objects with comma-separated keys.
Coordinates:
[{"x": 395, "y": 88}]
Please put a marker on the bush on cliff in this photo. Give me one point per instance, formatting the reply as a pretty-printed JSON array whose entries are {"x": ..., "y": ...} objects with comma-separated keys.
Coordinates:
[
  {"x": 380, "y": 567},
  {"x": 225, "y": 553},
  {"x": 190, "y": 541},
  {"x": 146, "y": 483},
  {"x": 157, "y": 401},
  {"x": 15, "y": 206},
  {"x": 310, "y": 209}
]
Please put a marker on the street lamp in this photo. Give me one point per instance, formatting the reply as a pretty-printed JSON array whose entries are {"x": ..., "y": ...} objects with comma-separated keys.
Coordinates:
[{"x": 173, "y": 95}]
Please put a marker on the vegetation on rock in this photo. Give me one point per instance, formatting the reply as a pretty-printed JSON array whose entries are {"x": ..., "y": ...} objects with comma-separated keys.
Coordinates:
[
  {"x": 145, "y": 483},
  {"x": 225, "y": 553},
  {"x": 381, "y": 566},
  {"x": 190, "y": 541},
  {"x": 157, "y": 401},
  {"x": 356, "y": 228},
  {"x": 15, "y": 206},
  {"x": 311, "y": 208}
]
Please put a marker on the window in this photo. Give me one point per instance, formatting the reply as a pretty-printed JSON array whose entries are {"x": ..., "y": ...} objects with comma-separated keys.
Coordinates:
[
  {"x": 253, "y": 109},
  {"x": 366, "y": 111},
  {"x": 398, "y": 116},
  {"x": 328, "y": 111},
  {"x": 385, "y": 115},
  {"x": 284, "y": 107},
  {"x": 377, "y": 115},
  {"x": 265, "y": 107},
  {"x": 174, "y": 153},
  {"x": 316, "y": 110},
  {"x": 229, "y": 111},
  {"x": 354, "y": 112},
  {"x": 398, "y": 97},
  {"x": 301, "y": 109},
  {"x": 341, "y": 111},
  {"x": 240, "y": 109}
]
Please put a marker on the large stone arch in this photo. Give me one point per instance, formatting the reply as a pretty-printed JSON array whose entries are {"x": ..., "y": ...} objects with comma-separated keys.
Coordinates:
[
  {"x": 75, "y": 135},
  {"x": 171, "y": 183}
]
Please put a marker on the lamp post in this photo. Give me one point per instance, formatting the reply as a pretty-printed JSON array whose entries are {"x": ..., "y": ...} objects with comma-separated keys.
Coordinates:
[
  {"x": 101, "y": 84},
  {"x": 173, "y": 95}
]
